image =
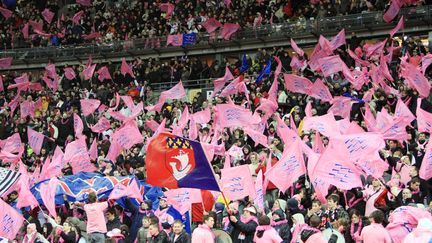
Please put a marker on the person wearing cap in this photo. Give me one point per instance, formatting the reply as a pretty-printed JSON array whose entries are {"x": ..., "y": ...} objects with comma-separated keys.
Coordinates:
[
  {"x": 165, "y": 219},
  {"x": 244, "y": 229},
  {"x": 179, "y": 235},
  {"x": 203, "y": 233}
]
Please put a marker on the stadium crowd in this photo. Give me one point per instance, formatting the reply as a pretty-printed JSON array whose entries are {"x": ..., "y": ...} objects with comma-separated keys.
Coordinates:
[
  {"x": 127, "y": 20},
  {"x": 392, "y": 207}
]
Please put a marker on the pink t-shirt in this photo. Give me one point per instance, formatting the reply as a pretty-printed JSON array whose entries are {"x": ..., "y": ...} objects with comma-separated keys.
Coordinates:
[
  {"x": 269, "y": 236},
  {"x": 96, "y": 217},
  {"x": 375, "y": 233}
]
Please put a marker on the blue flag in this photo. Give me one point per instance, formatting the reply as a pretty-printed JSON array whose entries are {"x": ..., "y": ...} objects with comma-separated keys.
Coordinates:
[
  {"x": 185, "y": 218},
  {"x": 245, "y": 65},
  {"x": 189, "y": 39},
  {"x": 264, "y": 72}
]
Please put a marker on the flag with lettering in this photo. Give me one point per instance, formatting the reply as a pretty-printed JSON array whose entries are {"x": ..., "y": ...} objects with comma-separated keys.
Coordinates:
[
  {"x": 47, "y": 15},
  {"x": 320, "y": 91},
  {"x": 211, "y": 25},
  {"x": 182, "y": 198},
  {"x": 325, "y": 124},
  {"x": 78, "y": 125},
  {"x": 335, "y": 169},
  {"x": 237, "y": 182},
  {"x": 399, "y": 26},
  {"x": 175, "y": 40},
  {"x": 415, "y": 79},
  {"x": 341, "y": 106},
  {"x": 48, "y": 193},
  {"x": 296, "y": 48},
  {"x": 376, "y": 48},
  {"x": 11, "y": 144},
  {"x": 118, "y": 192},
  {"x": 424, "y": 119},
  {"x": 229, "y": 115},
  {"x": 35, "y": 140},
  {"x": 288, "y": 169},
  {"x": 425, "y": 171},
  {"x": 330, "y": 65},
  {"x": 338, "y": 40},
  {"x": 259, "y": 191},
  {"x": 103, "y": 74},
  {"x": 128, "y": 135},
  {"x": 11, "y": 221},
  {"x": 228, "y": 30},
  {"x": 176, "y": 92},
  {"x": 189, "y": 39},
  {"x": 88, "y": 106},
  {"x": 5, "y": 62},
  {"x": 168, "y": 8},
  {"x": 220, "y": 82},
  {"x": 176, "y": 162},
  {"x": 77, "y": 155},
  {"x": 102, "y": 125},
  {"x": 392, "y": 11},
  {"x": 69, "y": 73},
  {"x": 297, "y": 84},
  {"x": 256, "y": 136},
  {"x": 126, "y": 69},
  {"x": 26, "y": 198},
  {"x": 360, "y": 146},
  {"x": 403, "y": 111}
]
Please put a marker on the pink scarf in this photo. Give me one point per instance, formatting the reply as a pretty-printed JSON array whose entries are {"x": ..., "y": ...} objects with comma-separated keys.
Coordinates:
[
  {"x": 356, "y": 235},
  {"x": 247, "y": 220},
  {"x": 32, "y": 238},
  {"x": 205, "y": 227},
  {"x": 274, "y": 223},
  {"x": 297, "y": 230}
]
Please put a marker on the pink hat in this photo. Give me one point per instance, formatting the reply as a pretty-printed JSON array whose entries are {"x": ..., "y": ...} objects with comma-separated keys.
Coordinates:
[{"x": 115, "y": 233}]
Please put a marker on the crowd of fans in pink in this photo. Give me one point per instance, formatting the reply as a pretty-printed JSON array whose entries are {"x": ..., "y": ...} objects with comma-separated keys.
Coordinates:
[
  {"x": 126, "y": 20},
  {"x": 392, "y": 204}
]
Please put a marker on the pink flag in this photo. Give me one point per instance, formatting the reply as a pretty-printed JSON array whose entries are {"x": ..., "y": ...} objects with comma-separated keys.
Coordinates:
[
  {"x": 297, "y": 84},
  {"x": 168, "y": 8},
  {"x": 88, "y": 106},
  {"x": 48, "y": 15},
  {"x": 229, "y": 29},
  {"x": 125, "y": 68},
  {"x": 102, "y": 125},
  {"x": 128, "y": 135},
  {"x": 318, "y": 146},
  {"x": 399, "y": 26},
  {"x": 237, "y": 182},
  {"x": 51, "y": 71},
  {"x": 211, "y": 25},
  {"x": 27, "y": 109},
  {"x": 229, "y": 115},
  {"x": 308, "y": 109},
  {"x": 426, "y": 61},
  {"x": 26, "y": 198},
  {"x": 88, "y": 71},
  {"x": 373, "y": 166},
  {"x": 376, "y": 48},
  {"x": 424, "y": 119},
  {"x": 5, "y": 62},
  {"x": 227, "y": 161},
  {"x": 289, "y": 168},
  {"x": 77, "y": 155},
  {"x": 259, "y": 191},
  {"x": 392, "y": 11},
  {"x": 25, "y": 31},
  {"x": 78, "y": 125},
  {"x": 256, "y": 136},
  {"x": 76, "y": 18},
  {"x": 231, "y": 88},
  {"x": 48, "y": 194},
  {"x": 153, "y": 125},
  {"x": 426, "y": 166},
  {"x": 118, "y": 191},
  {"x": 176, "y": 92},
  {"x": 317, "y": 54},
  {"x": 338, "y": 40},
  {"x": 286, "y": 134},
  {"x": 357, "y": 59},
  {"x": 415, "y": 79},
  {"x": 35, "y": 140},
  {"x": 325, "y": 124},
  {"x": 5, "y": 12},
  {"x": 12, "y": 144},
  {"x": 273, "y": 91},
  {"x": 1, "y": 84},
  {"x": 297, "y": 49},
  {"x": 330, "y": 65},
  {"x": 220, "y": 82},
  {"x": 297, "y": 64},
  {"x": 182, "y": 198},
  {"x": 361, "y": 146},
  {"x": 227, "y": 3},
  {"x": 203, "y": 116},
  {"x": 36, "y": 26},
  {"x": 335, "y": 169},
  {"x": 93, "y": 151},
  {"x": 11, "y": 221},
  {"x": 320, "y": 91},
  {"x": 353, "y": 128},
  {"x": 69, "y": 73},
  {"x": 55, "y": 167},
  {"x": 341, "y": 106},
  {"x": 87, "y": 3},
  {"x": 193, "y": 130},
  {"x": 175, "y": 40},
  {"x": 103, "y": 73},
  {"x": 134, "y": 191},
  {"x": 403, "y": 111},
  {"x": 114, "y": 151}
]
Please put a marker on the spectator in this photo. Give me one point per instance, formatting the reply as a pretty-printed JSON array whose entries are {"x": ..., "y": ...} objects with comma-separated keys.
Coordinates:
[
  {"x": 375, "y": 232},
  {"x": 265, "y": 233},
  {"x": 204, "y": 231}
]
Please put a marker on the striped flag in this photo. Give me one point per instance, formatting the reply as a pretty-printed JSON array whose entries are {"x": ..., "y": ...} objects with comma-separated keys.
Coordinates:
[{"x": 7, "y": 179}]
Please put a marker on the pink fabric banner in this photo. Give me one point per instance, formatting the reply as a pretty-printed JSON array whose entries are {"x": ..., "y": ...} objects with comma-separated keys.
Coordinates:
[
  {"x": 103, "y": 74},
  {"x": 297, "y": 84},
  {"x": 126, "y": 69},
  {"x": 403, "y": 111},
  {"x": 78, "y": 125},
  {"x": 375, "y": 48},
  {"x": 176, "y": 92},
  {"x": 134, "y": 191},
  {"x": 426, "y": 61},
  {"x": 168, "y": 8},
  {"x": 55, "y": 167},
  {"x": 341, "y": 106},
  {"x": 88, "y": 106},
  {"x": 48, "y": 15},
  {"x": 102, "y": 125},
  {"x": 25, "y": 31},
  {"x": 5, "y": 62},
  {"x": 77, "y": 16},
  {"x": 424, "y": 119},
  {"x": 211, "y": 25},
  {"x": 203, "y": 116},
  {"x": 6, "y": 12},
  {"x": 297, "y": 49},
  {"x": 118, "y": 192},
  {"x": 237, "y": 182},
  {"x": 284, "y": 132},
  {"x": 69, "y": 73},
  {"x": 93, "y": 151},
  {"x": 128, "y": 135},
  {"x": 361, "y": 146},
  {"x": 228, "y": 30},
  {"x": 87, "y": 3},
  {"x": 392, "y": 11},
  {"x": 229, "y": 115},
  {"x": 399, "y": 26},
  {"x": 220, "y": 82},
  {"x": 27, "y": 108},
  {"x": 77, "y": 155},
  {"x": 338, "y": 40},
  {"x": 415, "y": 79},
  {"x": 318, "y": 146},
  {"x": 114, "y": 151},
  {"x": 181, "y": 199},
  {"x": 289, "y": 168},
  {"x": 259, "y": 191},
  {"x": 11, "y": 221},
  {"x": 11, "y": 144},
  {"x": 357, "y": 59},
  {"x": 89, "y": 71},
  {"x": 175, "y": 40},
  {"x": 231, "y": 88},
  {"x": 330, "y": 65},
  {"x": 48, "y": 193},
  {"x": 35, "y": 140},
  {"x": 320, "y": 91},
  {"x": 325, "y": 124},
  {"x": 426, "y": 167},
  {"x": 26, "y": 198},
  {"x": 256, "y": 136}
]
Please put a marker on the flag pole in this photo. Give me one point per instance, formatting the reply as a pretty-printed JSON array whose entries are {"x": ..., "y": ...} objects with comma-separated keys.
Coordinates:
[{"x": 226, "y": 203}]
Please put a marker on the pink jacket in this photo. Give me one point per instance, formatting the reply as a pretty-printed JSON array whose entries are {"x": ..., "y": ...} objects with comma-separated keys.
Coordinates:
[
  {"x": 270, "y": 235},
  {"x": 203, "y": 234},
  {"x": 96, "y": 217},
  {"x": 317, "y": 238}
]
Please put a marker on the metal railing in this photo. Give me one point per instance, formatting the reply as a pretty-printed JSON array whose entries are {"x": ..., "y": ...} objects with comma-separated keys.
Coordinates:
[{"x": 414, "y": 16}]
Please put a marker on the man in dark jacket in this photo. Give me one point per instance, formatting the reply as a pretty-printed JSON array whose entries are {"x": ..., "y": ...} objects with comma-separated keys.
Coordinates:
[
  {"x": 244, "y": 229},
  {"x": 158, "y": 236},
  {"x": 280, "y": 224},
  {"x": 113, "y": 221},
  {"x": 179, "y": 235}
]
